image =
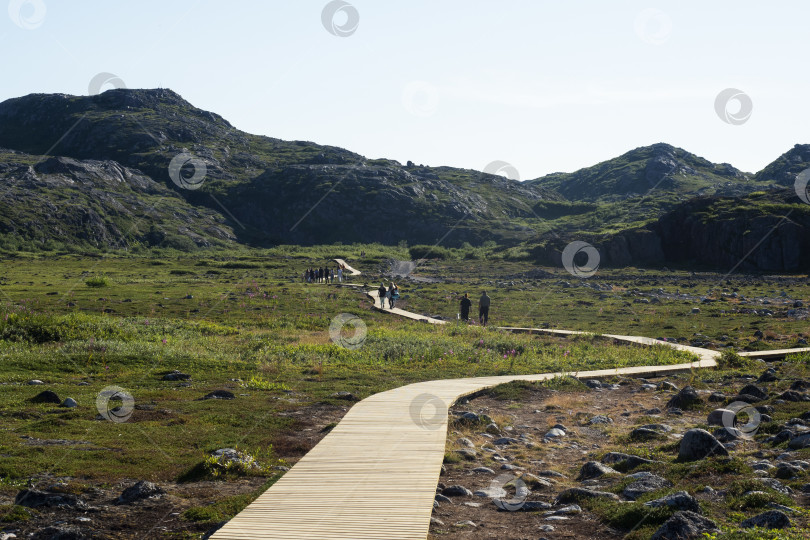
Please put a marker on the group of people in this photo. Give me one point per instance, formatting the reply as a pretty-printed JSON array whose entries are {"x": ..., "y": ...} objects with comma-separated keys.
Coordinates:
[
  {"x": 391, "y": 294},
  {"x": 324, "y": 275},
  {"x": 483, "y": 308}
]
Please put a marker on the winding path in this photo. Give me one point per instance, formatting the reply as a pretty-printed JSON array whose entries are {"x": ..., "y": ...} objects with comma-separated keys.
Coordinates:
[{"x": 374, "y": 475}]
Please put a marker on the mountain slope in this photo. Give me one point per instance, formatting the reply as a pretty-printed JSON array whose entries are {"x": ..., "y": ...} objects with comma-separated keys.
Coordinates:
[
  {"x": 266, "y": 186},
  {"x": 58, "y": 202},
  {"x": 660, "y": 168}
]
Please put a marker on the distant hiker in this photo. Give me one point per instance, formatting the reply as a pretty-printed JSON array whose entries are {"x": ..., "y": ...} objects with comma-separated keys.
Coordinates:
[
  {"x": 381, "y": 292},
  {"x": 483, "y": 308},
  {"x": 340, "y": 274},
  {"x": 331, "y": 275},
  {"x": 466, "y": 303},
  {"x": 393, "y": 294},
  {"x": 320, "y": 275}
]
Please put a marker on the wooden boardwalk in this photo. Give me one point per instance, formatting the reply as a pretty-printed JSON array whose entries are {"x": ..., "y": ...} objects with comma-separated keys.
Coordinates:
[{"x": 374, "y": 475}]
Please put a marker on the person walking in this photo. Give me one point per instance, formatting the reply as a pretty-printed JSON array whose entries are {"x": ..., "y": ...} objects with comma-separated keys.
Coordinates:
[
  {"x": 483, "y": 308},
  {"x": 381, "y": 292},
  {"x": 340, "y": 274},
  {"x": 466, "y": 303},
  {"x": 393, "y": 295}
]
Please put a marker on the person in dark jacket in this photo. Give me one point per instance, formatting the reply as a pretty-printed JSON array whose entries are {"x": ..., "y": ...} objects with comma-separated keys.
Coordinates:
[
  {"x": 466, "y": 303},
  {"x": 483, "y": 308},
  {"x": 381, "y": 292}
]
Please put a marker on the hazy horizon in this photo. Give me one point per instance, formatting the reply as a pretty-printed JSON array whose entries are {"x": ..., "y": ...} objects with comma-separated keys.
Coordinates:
[{"x": 545, "y": 87}]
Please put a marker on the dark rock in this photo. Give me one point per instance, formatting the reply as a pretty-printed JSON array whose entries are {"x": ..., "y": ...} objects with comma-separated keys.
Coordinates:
[
  {"x": 727, "y": 434},
  {"x": 769, "y": 375},
  {"x": 772, "y": 519},
  {"x": 800, "y": 385},
  {"x": 59, "y": 532},
  {"x": 456, "y": 491},
  {"x": 715, "y": 417},
  {"x": 747, "y": 398},
  {"x": 442, "y": 498},
  {"x": 176, "y": 376},
  {"x": 792, "y": 395},
  {"x": 645, "y": 484},
  {"x": 786, "y": 471},
  {"x": 685, "y": 399},
  {"x": 141, "y": 490},
  {"x": 685, "y": 525},
  {"x": 47, "y": 396},
  {"x": 347, "y": 396},
  {"x": 220, "y": 394},
  {"x": 594, "y": 469},
  {"x": 626, "y": 461},
  {"x": 764, "y": 409},
  {"x": 699, "y": 444},
  {"x": 775, "y": 485},
  {"x": 505, "y": 441},
  {"x": 32, "y": 498},
  {"x": 644, "y": 434},
  {"x": 680, "y": 501},
  {"x": 717, "y": 397},
  {"x": 797, "y": 443},
  {"x": 572, "y": 495},
  {"x": 754, "y": 390}
]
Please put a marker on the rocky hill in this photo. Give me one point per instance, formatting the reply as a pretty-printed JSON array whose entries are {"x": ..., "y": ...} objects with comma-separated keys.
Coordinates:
[
  {"x": 95, "y": 172},
  {"x": 272, "y": 190}
]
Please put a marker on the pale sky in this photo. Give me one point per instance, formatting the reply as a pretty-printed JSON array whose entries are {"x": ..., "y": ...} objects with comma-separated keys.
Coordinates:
[{"x": 543, "y": 85}]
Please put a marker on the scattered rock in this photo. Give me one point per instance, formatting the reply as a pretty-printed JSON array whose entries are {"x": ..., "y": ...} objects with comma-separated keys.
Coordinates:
[
  {"x": 47, "y": 396},
  {"x": 755, "y": 391},
  {"x": 456, "y": 491},
  {"x": 802, "y": 441},
  {"x": 33, "y": 498},
  {"x": 680, "y": 501},
  {"x": 554, "y": 433},
  {"x": 717, "y": 397},
  {"x": 59, "y": 532},
  {"x": 699, "y": 444},
  {"x": 467, "y": 454},
  {"x": 569, "y": 510},
  {"x": 35, "y": 382},
  {"x": 141, "y": 490},
  {"x": 772, "y": 519},
  {"x": 600, "y": 419},
  {"x": 347, "y": 396},
  {"x": 666, "y": 385},
  {"x": 69, "y": 403},
  {"x": 685, "y": 399},
  {"x": 627, "y": 461},
  {"x": 716, "y": 416},
  {"x": 769, "y": 375},
  {"x": 594, "y": 469},
  {"x": 792, "y": 395},
  {"x": 176, "y": 375},
  {"x": 645, "y": 484},
  {"x": 786, "y": 471},
  {"x": 576, "y": 494},
  {"x": 684, "y": 526},
  {"x": 644, "y": 434},
  {"x": 775, "y": 485},
  {"x": 505, "y": 441},
  {"x": 220, "y": 394}
]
